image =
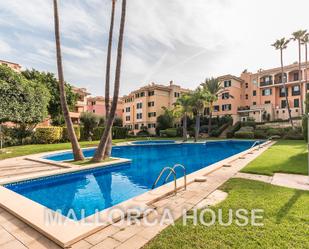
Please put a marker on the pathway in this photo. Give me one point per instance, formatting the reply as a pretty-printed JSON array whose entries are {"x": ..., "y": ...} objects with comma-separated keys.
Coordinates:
[{"x": 280, "y": 179}]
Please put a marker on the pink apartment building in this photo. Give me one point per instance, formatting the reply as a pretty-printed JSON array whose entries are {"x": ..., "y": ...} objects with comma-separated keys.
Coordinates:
[
  {"x": 261, "y": 95},
  {"x": 16, "y": 67},
  {"x": 97, "y": 105}
]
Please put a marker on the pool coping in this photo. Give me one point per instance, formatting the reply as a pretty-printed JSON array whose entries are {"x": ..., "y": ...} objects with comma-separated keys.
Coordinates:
[{"x": 65, "y": 235}]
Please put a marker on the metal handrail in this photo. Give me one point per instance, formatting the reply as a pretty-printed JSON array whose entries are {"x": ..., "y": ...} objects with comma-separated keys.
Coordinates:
[
  {"x": 255, "y": 144},
  {"x": 160, "y": 175},
  {"x": 184, "y": 174}
]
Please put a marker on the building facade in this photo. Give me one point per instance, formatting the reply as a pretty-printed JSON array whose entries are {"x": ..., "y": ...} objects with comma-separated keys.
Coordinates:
[
  {"x": 97, "y": 105},
  {"x": 261, "y": 95},
  {"x": 142, "y": 107},
  {"x": 81, "y": 104},
  {"x": 16, "y": 67}
]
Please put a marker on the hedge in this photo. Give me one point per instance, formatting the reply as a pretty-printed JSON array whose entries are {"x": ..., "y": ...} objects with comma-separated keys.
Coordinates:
[
  {"x": 244, "y": 134},
  {"x": 170, "y": 132},
  {"x": 233, "y": 129},
  {"x": 260, "y": 134},
  {"x": 117, "y": 132},
  {"x": 248, "y": 123},
  {"x": 65, "y": 136},
  {"x": 48, "y": 135},
  {"x": 217, "y": 132}
]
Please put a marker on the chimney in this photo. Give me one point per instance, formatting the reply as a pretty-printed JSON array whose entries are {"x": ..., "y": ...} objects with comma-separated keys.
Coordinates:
[{"x": 171, "y": 82}]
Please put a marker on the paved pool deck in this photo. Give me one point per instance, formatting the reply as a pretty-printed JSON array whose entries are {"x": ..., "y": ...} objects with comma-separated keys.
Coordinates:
[{"x": 15, "y": 234}]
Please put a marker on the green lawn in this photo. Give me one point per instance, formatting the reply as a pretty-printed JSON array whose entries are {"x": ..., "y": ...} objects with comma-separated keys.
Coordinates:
[
  {"x": 286, "y": 156},
  {"x": 24, "y": 150},
  {"x": 286, "y": 221}
]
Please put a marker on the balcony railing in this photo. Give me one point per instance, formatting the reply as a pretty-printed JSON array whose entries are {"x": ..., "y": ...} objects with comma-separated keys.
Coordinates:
[{"x": 266, "y": 83}]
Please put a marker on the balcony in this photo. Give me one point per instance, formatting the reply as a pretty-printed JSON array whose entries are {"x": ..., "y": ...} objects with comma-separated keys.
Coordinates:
[{"x": 266, "y": 83}]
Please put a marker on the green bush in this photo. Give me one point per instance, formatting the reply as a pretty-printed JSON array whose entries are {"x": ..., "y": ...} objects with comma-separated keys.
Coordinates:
[
  {"x": 48, "y": 135},
  {"x": 260, "y": 134},
  {"x": 97, "y": 133},
  {"x": 246, "y": 129},
  {"x": 217, "y": 132},
  {"x": 275, "y": 132},
  {"x": 248, "y": 123},
  {"x": 244, "y": 134},
  {"x": 65, "y": 137},
  {"x": 120, "y": 132},
  {"x": 171, "y": 132},
  {"x": 295, "y": 134},
  {"x": 233, "y": 129}
]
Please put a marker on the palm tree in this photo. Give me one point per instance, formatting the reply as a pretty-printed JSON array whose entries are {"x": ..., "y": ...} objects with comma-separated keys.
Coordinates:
[
  {"x": 183, "y": 109},
  {"x": 214, "y": 88},
  {"x": 281, "y": 45},
  {"x": 298, "y": 36},
  {"x": 107, "y": 77},
  {"x": 99, "y": 154},
  {"x": 198, "y": 102},
  {"x": 77, "y": 152}
]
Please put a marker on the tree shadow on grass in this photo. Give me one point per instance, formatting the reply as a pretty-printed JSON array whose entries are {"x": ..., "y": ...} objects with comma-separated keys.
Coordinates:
[{"x": 287, "y": 206}]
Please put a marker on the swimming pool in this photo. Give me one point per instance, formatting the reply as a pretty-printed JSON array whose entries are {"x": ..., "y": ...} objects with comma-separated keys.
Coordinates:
[
  {"x": 147, "y": 142},
  {"x": 101, "y": 188}
]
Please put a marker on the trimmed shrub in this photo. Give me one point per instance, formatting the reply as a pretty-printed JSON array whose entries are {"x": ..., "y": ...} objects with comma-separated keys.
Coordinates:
[
  {"x": 294, "y": 134},
  {"x": 248, "y": 123},
  {"x": 171, "y": 132},
  {"x": 65, "y": 137},
  {"x": 233, "y": 129},
  {"x": 244, "y": 134},
  {"x": 260, "y": 134},
  {"x": 275, "y": 132},
  {"x": 246, "y": 129},
  {"x": 217, "y": 132},
  {"x": 120, "y": 132},
  {"x": 48, "y": 135},
  {"x": 97, "y": 133}
]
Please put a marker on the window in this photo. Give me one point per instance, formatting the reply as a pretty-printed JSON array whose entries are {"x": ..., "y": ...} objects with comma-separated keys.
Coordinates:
[
  {"x": 296, "y": 76},
  {"x": 127, "y": 118},
  {"x": 176, "y": 94},
  {"x": 267, "y": 102},
  {"x": 282, "y": 92},
  {"x": 296, "y": 102},
  {"x": 247, "y": 96},
  {"x": 93, "y": 111},
  {"x": 254, "y": 93},
  {"x": 254, "y": 103},
  {"x": 227, "y": 83},
  {"x": 216, "y": 108},
  {"x": 226, "y": 107},
  {"x": 151, "y": 114},
  {"x": 150, "y": 104},
  {"x": 128, "y": 109},
  {"x": 92, "y": 102},
  {"x": 136, "y": 126},
  {"x": 247, "y": 85},
  {"x": 142, "y": 94},
  {"x": 283, "y": 104},
  {"x": 137, "y": 95},
  {"x": 139, "y": 115},
  {"x": 225, "y": 95},
  {"x": 128, "y": 100},
  {"x": 266, "y": 92},
  {"x": 295, "y": 90},
  {"x": 139, "y": 105},
  {"x": 151, "y": 126},
  {"x": 151, "y": 93}
]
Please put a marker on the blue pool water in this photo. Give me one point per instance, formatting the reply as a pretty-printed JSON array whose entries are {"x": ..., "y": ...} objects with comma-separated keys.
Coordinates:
[
  {"x": 104, "y": 187},
  {"x": 154, "y": 142}
]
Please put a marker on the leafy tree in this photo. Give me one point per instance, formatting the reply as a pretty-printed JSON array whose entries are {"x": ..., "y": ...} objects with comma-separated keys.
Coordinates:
[
  {"x": 165, "y": 120},
  {"x": 54, "y": 105},
  {"x": 23, "y": 102},
  {"x": 89, "y": 121}
]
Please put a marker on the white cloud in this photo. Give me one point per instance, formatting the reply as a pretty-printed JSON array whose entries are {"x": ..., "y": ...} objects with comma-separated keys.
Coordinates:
[{"x": 176, "y": 39}]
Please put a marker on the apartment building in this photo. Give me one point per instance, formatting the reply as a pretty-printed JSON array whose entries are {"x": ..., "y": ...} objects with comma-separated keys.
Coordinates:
[
  {"x": 143, "y": 106},
  {"x": 16, "y": 67},
  {"x": 97, "y": 105},
  {"x": 81, "y": 104},
  {"x": 261, "y": 95}
]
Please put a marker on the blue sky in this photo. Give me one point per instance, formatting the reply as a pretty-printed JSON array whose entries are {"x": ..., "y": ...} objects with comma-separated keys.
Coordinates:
[{"x": 180, "y": 40}]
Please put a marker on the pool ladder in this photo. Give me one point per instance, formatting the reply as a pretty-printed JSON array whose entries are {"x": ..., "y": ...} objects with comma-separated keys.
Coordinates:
[
  {"x": 172, "y": 171},
  {"x": 256, "y": 143}
]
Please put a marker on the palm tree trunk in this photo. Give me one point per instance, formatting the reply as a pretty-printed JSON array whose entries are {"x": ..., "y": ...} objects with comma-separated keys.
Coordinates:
[
  {"x": 197, "y": 126},
  {"x": 285, "y": 89},
  {"x": 98, "y": 156},
  {"x": 184, "y": 127},
  {"x": 300, "y": 78},
  {"x": 107, "y": 78},
  {"x": 210, "y": 117},
  {"x": 77, "y": 152}
]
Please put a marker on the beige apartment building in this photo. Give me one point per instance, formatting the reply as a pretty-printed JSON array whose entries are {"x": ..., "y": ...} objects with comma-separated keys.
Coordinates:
[
  {"x": 142, "y": 107},
  {"x": 261, "y": 95}
]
